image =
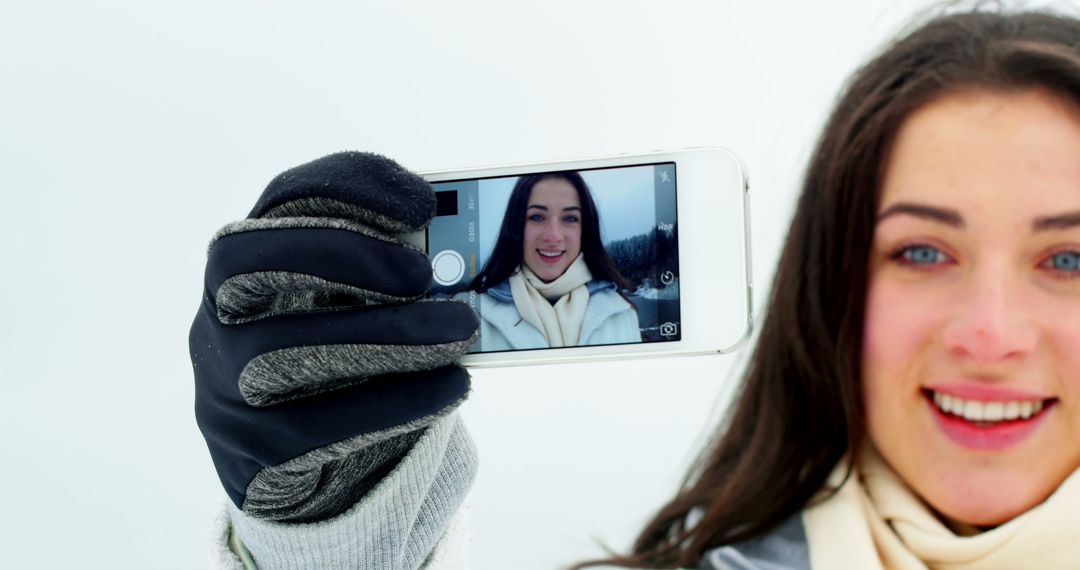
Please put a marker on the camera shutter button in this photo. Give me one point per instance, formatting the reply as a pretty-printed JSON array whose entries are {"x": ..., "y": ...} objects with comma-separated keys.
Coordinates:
[{"x": 448, "y": 267}]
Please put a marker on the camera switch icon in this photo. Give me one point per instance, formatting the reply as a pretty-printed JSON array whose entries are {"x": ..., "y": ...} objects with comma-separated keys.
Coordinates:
[
  {"x": 667, "y": 277},
  {"x": 448, "y": 267},
  {"x": 669, "y": 329}
]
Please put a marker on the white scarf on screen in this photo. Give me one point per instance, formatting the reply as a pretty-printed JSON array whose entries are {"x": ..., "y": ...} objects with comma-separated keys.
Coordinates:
[
  {"x": 876, "y": 522},
  {"x": 560, "y": 323}
]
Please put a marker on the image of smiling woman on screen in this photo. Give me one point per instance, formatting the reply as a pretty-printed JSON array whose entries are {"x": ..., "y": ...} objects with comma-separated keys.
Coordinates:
[{"x": 549, "y": 281}]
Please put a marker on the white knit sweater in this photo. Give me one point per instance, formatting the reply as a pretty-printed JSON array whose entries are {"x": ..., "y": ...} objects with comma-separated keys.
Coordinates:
[{"x": 412, "y": 519}]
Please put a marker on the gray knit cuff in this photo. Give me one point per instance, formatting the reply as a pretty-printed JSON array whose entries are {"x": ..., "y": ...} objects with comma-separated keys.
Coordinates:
[{"x": 394, "y": 527}]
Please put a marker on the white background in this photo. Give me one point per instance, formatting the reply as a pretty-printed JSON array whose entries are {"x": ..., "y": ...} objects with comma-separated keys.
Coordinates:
[{"x": 130, "y": 131}]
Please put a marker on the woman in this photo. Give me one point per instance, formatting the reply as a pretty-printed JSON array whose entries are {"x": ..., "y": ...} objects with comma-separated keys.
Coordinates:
[
  {"x": 914, "y": 397},
  {"x": 549, "y": 281}
]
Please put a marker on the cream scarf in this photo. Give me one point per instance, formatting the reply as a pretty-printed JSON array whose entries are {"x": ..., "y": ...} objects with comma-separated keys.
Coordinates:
[
  {"x": 876, "y": 522},
  {"x": 560, "y": 323}
]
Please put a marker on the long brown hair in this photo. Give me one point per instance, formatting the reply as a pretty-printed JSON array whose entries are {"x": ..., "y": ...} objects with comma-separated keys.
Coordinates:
[
  {"x": 800, "y": 408},
  {"x": 507, "y": 255}
]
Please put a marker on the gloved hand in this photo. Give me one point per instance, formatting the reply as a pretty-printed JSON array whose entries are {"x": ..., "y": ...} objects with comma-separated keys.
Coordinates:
[{"x": 317, "y": 363}]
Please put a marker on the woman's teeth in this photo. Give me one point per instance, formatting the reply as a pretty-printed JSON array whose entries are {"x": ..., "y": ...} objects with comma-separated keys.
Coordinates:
[
  {"x": 549, "y": 253},
  {"x": 977, "y": 411}
]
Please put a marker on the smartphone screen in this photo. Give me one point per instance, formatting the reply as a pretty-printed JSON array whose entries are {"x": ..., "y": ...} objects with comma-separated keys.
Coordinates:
[{"x": 564, "y": 258}]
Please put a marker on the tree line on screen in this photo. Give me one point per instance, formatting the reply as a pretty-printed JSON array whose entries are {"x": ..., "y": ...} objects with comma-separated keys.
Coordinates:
[{"x": 642, "y": 258}]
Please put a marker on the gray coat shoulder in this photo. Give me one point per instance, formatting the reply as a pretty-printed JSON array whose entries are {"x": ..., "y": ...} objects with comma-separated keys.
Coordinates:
[{"x": 783, "y": 548}]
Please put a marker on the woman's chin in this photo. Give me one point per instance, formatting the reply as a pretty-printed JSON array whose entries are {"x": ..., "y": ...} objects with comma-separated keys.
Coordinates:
[
  {"x": 550, "y": 276},
  {"x": 548, "y": 273},
  {"x": 967, "y": 522},
  {"x": 970, "y": 511}
]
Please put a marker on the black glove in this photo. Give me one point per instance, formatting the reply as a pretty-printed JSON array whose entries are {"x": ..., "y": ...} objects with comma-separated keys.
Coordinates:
[{"x": 317, "y": 363}]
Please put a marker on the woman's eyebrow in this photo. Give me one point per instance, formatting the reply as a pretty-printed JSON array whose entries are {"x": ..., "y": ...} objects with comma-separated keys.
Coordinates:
[
  {"x": 952, "y": 218},
  {"x": 1057, "y": 222},
  {"x": 566, "y": 209},
  {"x": 946, "y": 216}
]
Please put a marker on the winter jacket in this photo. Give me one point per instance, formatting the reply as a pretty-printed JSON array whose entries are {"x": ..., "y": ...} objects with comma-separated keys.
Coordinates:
[{"x": 609, "y": 319}]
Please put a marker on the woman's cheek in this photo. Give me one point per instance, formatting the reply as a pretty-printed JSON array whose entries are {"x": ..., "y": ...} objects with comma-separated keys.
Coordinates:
[
  {"x": 1060, "y": 327},
  {"x": 898, "y": 323},
  {"x": 899, "y": 347},
  {"x": 530, "y": 235}
]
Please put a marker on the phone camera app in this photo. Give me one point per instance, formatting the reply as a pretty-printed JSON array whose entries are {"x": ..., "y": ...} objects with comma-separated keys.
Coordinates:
[{"x": 561, "y": 258}]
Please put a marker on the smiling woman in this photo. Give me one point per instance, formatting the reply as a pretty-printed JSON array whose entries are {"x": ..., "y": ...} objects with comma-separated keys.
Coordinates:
[
  {"x": 913, "y": 400},
  {"x": 914, "y": 397},
  {"x": 552, "y": 228},
  {"x": 549, "y": 281},
  {"x": 971, "y": 366}
]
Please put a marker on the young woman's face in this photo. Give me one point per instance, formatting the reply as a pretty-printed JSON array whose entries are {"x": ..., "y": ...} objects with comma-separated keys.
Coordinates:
[
  {"x": 552, "y": 228},
  {"x": 971, "y": 354}
]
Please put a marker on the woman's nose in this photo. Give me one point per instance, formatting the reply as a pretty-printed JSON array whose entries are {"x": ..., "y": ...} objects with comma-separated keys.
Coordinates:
[
  {"x": 552, "y": 233},
  {"x": 990, "y": 322}
]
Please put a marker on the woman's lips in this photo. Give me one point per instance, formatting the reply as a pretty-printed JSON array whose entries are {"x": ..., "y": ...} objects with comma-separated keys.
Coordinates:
[
  {"x": 971, "y": 391},
  {"x": 996, "y": 435},
  {"x": 547, "y": 257}
]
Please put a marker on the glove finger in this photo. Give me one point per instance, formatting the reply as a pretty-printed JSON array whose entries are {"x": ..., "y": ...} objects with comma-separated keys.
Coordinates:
[
  {"x": 244, "y": 440},
  {"x": 254, "y": 274},
  {"x": 291, "y": 356},
  {"x": 364, "y": 187}
]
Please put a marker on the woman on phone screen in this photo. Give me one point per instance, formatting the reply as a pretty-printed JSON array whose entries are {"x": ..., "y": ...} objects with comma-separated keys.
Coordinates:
[{"x": 549, "y": 281}]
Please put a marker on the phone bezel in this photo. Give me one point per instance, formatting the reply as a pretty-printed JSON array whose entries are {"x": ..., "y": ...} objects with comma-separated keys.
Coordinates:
[{"x": 715, "y": 284}]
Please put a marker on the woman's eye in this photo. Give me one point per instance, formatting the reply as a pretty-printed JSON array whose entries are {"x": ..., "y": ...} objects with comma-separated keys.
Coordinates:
[
  {"x": 571, "y": 219},
  {"x": 536, "y": 218},
  {"x": 1065, "y": 261},
  {"x": 921, "y": 255}
]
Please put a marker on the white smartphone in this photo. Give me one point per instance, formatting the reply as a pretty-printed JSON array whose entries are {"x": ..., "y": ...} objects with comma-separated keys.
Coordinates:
[{"x": 600, "y": 258}]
